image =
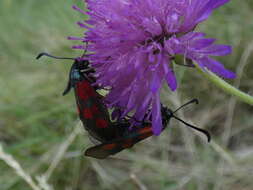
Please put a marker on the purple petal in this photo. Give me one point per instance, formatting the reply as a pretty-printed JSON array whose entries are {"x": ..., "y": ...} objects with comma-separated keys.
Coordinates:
[
  {"x": 75, "y": 38},
  {"x": 170, "y": 77},
  {"x": 198, "y": 11},
  {"x": 217, "y": 68},
  {"x": 202, "y": 43},
  {"x": 171, "y": 80},
  {"x": 192, "y": 36},
  {"x": 79, "y": 47},
  {"x": 82, "y": 25},
  {"x": 217, "y": 50},
  {"x": 156, "y": 115},
  {"x": 78, "y": 9},
  {"x": 155, "y": 82},
  {"x": 152, "y": 26},
  {"x": 208, "y": 8}
]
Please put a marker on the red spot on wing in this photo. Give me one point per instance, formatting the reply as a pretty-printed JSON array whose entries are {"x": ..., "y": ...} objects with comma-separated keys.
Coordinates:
[
  {"x": 147, "y": 129},
  {"x": 94, "y": 109},
  {"x": 101, "y": 123},
  {"x": 85, "y": 90},
  {"x": 81, "y": 89},
  {"x": 86, "y": 86},
  {"x": 91, "y": 91},
  {"x": 128, "y": 143},
  {"x": 145, "y": 135},
  {"x": 109, "y": 146},
  {"x": 87, "y": 114}
]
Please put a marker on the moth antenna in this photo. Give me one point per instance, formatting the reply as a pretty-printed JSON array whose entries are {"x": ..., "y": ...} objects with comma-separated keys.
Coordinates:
[
  {"x": 55, "y": 57},
  {"x": 205, "y": 132},
  {"x": 195, "y": 100}
]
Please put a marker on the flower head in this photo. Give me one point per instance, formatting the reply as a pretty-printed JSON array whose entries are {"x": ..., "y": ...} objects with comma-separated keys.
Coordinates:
[{"x": 133, "y": 44}]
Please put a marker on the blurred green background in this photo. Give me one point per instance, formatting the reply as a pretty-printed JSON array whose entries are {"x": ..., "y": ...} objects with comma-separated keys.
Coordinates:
[{"x": 40, "y": 129}]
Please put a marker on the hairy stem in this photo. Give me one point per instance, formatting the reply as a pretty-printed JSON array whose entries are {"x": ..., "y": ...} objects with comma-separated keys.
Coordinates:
[{"x": 225, "y": 86}]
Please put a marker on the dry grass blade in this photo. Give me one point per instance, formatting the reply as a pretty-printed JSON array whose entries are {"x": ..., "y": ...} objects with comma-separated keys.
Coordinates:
[
  {"x": 223, "y": 153},
  {"x": 105, "y": 177},
  {"x": 188, "y": 138},
  {"x": 43, "y": 183},
  {"x": 9, "y": 160},
  {"x": 137, "y": 182},
  {"x": 232, "y": 102},
  {"x": 61, "y": 151}
]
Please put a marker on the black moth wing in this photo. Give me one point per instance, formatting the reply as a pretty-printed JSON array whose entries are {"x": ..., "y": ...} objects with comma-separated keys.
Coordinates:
[
  {"x": 106, "y": 149},
  {"x": 93, "y": 113}
]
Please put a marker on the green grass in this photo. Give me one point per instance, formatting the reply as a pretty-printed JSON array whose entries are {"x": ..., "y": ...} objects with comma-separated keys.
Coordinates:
[{"x": 36, "y": 120}]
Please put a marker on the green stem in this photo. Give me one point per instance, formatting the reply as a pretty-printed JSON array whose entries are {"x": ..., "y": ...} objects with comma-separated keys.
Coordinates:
[{"x": 225, "y": 86}]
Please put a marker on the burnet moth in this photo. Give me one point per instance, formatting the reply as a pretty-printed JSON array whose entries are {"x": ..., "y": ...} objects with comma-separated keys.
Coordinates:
[
  {"x": 137, "y": 134},
  {"x": 113, "y": 136},
  {"x": 92, "y": 110}
]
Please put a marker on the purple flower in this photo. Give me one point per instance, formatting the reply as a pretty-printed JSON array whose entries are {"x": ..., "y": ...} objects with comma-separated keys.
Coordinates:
[{"x": 133, "y": 44}]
